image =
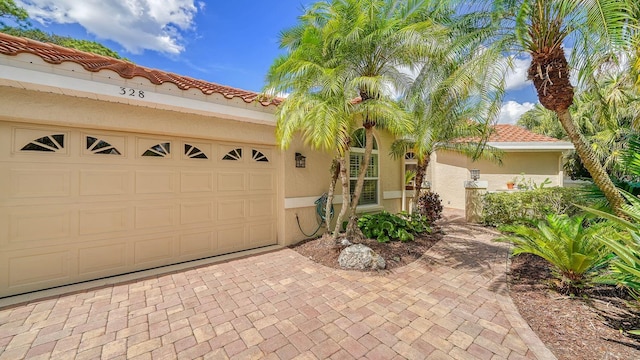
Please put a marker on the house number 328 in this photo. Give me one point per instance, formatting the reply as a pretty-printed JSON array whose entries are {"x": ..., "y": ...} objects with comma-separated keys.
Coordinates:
[{"x": 131, "y": 92}]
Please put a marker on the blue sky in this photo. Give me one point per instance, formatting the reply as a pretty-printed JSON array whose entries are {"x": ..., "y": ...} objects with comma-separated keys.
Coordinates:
[{"x": 227, "y": 42}]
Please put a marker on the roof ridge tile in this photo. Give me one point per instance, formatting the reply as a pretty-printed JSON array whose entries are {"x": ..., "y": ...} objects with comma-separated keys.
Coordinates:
[{"x": 56, "y": 54}]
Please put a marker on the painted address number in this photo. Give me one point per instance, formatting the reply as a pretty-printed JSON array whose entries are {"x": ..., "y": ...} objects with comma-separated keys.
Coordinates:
[{"x": 131, "y": 92}]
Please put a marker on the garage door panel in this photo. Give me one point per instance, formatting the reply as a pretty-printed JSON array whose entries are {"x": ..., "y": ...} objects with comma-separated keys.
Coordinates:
[
  {"x": 100, "y": 259},
  {"x": 230, "y": 238},
  {"x": 196, "y": 245},
  {"x": 196, "y": 213},
  {"x": 41, "y": 142},
  {"x": 27, "y": 268},
  {"x": 231, "y": 209},
  {"x": 155, "y": 182},
  {"x": 196, "y": 181},
  {"x": 29, "y": 224},
  {"x": 262, "y": 181},
  {"x": 262, "y": 234},
  {"x": 26, "y": 183},
  {"x": 229, "y": 181},
  {"x": 261, "y": 207},
  {"x": 104, "y": 182},
  {"x": 155, "y": 216},
  {"x": 153, "y": 252},
  {"x": 103, "y": 221}
]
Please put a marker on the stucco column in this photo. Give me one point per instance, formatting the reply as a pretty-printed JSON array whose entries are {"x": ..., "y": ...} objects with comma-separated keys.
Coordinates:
[{"x": 474, "y": 190}]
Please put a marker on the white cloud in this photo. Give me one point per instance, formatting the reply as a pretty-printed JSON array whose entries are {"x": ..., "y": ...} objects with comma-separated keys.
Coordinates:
[
  {"x": 512, "y": 110},
  {"x": 517, "y": 77},
  {"x": 135, "y": 24}
]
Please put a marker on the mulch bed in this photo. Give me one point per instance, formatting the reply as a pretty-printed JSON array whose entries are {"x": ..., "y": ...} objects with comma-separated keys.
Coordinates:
[
  {"x": 589, "y": 326},
  {"x": 323, "y": 250}
]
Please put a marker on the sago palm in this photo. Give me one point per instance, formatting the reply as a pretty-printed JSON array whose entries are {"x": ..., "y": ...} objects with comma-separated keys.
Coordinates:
[
  {"x": 625, "y": 245},
  {"x": 572, "y": 250}
]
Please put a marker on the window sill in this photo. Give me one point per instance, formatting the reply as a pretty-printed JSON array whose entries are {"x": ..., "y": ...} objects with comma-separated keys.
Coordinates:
[{"x": 363, "y": 209}]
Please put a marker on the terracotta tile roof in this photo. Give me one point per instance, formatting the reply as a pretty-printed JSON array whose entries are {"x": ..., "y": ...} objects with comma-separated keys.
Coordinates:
[
  {"x": 54, "y": 54},
  {"x": 513, "y": 133}
]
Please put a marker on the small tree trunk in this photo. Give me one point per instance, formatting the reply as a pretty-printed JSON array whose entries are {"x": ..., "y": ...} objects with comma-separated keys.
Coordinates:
[
  {"x": 335, "y": 166},
  {"x": 421, "y": 172},
  {"x": 353, "y": 233},
  {"x": 345, "y": 195},
  {"x": 598, "y": 174}
]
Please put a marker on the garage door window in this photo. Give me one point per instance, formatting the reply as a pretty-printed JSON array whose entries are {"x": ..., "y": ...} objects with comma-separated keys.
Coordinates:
[
  {"x": 259, "y": 156},
  {"x": 369, "y": 195},
  {"x": 99, "y": 146},
  {"x": 235, "y": 154},
  {"x": 50, "y": 143},
  {"x": 159, "y": 150},
  {"x": 193, "y": 152}
]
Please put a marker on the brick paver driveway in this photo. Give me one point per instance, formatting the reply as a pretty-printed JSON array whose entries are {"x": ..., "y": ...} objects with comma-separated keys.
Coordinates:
[{"x": 452, "y": 303}]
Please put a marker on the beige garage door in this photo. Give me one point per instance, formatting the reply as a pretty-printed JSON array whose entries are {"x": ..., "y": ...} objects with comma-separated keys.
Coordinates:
[{"x": 81, "y": 204}]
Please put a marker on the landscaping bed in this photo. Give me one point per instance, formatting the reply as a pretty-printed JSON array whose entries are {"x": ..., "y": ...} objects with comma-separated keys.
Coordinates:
[
  {"x": 395, "y": 253},
  {"x": 588, "y": 327}
]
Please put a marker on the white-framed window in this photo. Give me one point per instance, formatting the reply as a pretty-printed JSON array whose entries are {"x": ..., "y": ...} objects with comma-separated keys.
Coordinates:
[{"x": 369, "y": 194}]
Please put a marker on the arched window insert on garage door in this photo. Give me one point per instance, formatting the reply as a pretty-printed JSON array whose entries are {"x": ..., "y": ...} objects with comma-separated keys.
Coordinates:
[
  {"x": 259, "y": 156},
  {"x": 99, "y": 146},
  {"x": 193, "y": 152},
  {"x": 369, "y": 194},
  {"x": 49, "y": 143},
  {"x": 159, "y": 150},
  {"x": 235, "y": 154}
]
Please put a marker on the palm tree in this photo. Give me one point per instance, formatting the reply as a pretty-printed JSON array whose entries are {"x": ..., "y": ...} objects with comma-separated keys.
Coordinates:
[
  {"x": 597, "y": 30},
  {"x": 453, "y": 102},
  {"x": 344, "y": 61},
  {"x": 541, "y": 120}
]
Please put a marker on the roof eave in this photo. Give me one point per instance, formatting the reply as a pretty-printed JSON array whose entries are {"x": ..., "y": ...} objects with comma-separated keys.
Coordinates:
[{"x": 533, "y": 146}]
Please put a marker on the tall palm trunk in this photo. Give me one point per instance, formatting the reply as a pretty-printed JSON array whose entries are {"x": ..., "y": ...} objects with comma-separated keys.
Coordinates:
[
  {"x": 550, "y": 74},
  {"x": 345, "y": 195},
  {"x": 591, "y": 163},
  {"x": 421, "y": 172}
]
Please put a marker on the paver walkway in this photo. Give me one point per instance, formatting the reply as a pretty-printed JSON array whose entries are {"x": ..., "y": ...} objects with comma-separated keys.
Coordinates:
[{"x": 451, "y": 304}]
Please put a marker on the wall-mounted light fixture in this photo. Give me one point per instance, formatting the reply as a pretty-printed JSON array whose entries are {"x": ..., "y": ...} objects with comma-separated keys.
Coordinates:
[
  {"x": 475, "y": 174},
  {"x": 301, "y": 160}
]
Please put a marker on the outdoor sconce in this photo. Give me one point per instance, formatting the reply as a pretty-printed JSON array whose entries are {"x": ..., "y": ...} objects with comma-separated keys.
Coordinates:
[
  {"x": 475, "y": 174},
  {"x": 301, "y": 160}
]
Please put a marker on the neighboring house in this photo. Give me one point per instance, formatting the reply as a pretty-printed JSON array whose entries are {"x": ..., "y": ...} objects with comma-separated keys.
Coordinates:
[
  {"x": 107, "y": 168},
  {"x": 526, "y": 154}
]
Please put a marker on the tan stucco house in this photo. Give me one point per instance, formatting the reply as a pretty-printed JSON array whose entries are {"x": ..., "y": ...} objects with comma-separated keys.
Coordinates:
[
  {"x": 525, "y": 154},
  {"x": 108, "y": 168}
]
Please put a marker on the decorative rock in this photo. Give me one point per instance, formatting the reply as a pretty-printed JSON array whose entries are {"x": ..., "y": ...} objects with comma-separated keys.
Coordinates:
[{"x": 360, "y": 257}]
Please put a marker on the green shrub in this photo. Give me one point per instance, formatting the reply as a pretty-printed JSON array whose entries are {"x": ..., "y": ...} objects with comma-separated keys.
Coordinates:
[
  {"x": 524, "y": 207},
  {"x": 430, "y": 206},
  {"x": 385, "y": 227},
  {"x": 572, "y": 249},
  {"x": 625, "y": 245}
]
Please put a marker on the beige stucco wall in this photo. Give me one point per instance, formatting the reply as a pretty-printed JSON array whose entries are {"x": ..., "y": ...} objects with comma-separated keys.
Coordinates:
[
  {"x": 54, "y": 109},
  {"x": 449, "y": 170},
  {"x": 303, "y": 186}
]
